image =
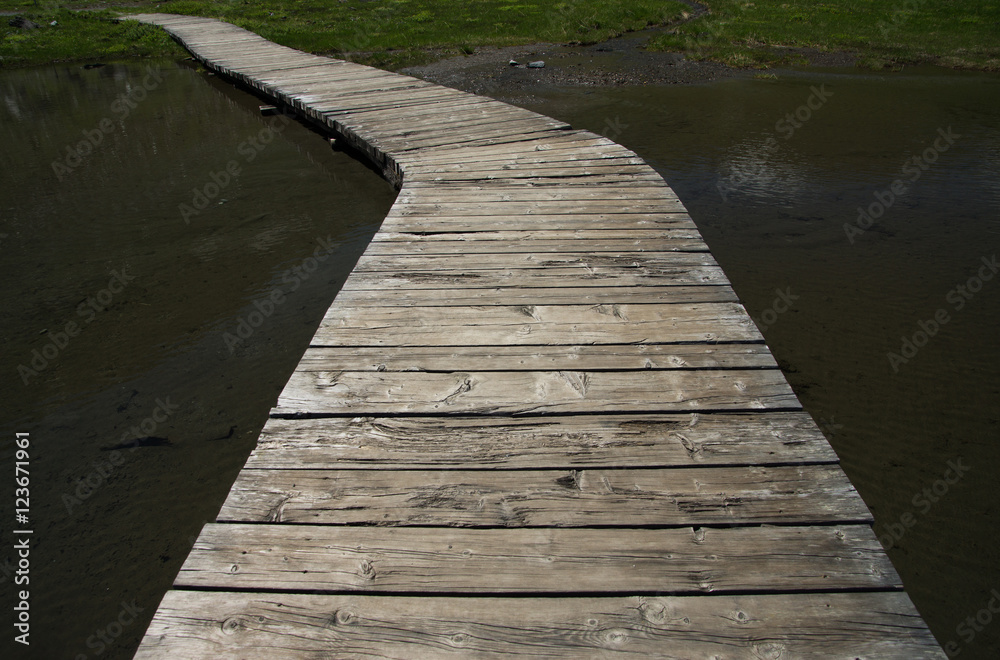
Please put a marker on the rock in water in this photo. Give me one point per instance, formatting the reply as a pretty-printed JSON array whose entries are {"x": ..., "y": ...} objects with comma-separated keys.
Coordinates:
[
  {"x": 513, "y": 63},
  {"x": 536, "y": 65}
]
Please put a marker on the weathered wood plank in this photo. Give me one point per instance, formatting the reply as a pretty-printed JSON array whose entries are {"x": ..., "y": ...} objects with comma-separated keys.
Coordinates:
[
  {"x": 645, "y": 262},
  {"x": 546, "y": 498},
  {"x": 538, "y": 222},
  {"x": 549, "y": 442},
  {"x": 463, "y": 194},
  {"x": 535, "y": 324},
  {"x": 539, "y": 358},
  {"x": 503, "y": 296},
  {"x": 580, "y": 146},
  {"x": 568, "y": 277},
  {"x": 582, "y": 207},
  {"x": 510, "y": 242},
  {"x": 837, "y": 626},
  {"x": 407, "y": 559},
  {"x": 478, "y": 173},
  {"x": 523, "y": 392}
]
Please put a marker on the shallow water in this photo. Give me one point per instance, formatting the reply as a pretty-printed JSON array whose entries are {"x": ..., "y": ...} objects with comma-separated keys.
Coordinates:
[
  {"x": 134, "y": 305},
  {"x": 772, "y": 200}
]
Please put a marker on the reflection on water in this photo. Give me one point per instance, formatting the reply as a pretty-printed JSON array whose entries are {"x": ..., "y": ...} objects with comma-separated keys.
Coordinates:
[
  {"x": 776, "y": 209},
  {"x": 166, "y": 255}
]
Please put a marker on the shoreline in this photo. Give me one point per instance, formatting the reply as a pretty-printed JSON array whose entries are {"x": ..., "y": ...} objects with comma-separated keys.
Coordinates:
[{"x": 615, "y": 62}]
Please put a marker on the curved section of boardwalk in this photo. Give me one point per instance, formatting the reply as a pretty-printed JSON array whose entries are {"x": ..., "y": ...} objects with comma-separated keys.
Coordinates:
[{"x": 535, "y": 422}]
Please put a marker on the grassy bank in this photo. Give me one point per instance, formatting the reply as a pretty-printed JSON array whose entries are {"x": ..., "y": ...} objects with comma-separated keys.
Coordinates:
[
  {"x": 881, "y": 33},
  {"x": 395, "y": 33},
  {"x": 387, "y": 33}
]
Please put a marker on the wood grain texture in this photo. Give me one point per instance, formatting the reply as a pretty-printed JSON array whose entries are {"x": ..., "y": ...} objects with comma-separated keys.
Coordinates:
[
  {"x": 524, "y": 392},
  {"x": 539, "y": 221},
  {"x": 364, "y": 292},
  {"x": 549, "y": 442},
  {"x": 535, "y": 325},
  {"x": 523, "y": 560},
  {"x": 546, "y": 498},
  {"x": 654, "y": 264},
  {"x": 504, "y": 241},
  {"x": 534, "y": 358},
  {"x": 751, "y": 627}
]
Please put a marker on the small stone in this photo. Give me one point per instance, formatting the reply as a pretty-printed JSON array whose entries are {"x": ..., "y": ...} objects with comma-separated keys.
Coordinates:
[
  {"x": 536, "y": 65},
  {"x": 513, "y": 63}
]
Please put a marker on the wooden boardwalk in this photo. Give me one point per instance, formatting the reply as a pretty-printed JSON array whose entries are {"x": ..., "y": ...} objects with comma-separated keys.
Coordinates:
[{"x": 535, "y": 422}]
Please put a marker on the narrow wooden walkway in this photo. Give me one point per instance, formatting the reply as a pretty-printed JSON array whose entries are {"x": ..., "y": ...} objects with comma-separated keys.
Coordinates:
[{"x": 535, "y": 422}]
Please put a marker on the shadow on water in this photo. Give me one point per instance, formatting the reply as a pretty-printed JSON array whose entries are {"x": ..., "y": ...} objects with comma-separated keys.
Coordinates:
[
  {"x": 777, "y": 200},
  {"x": 145, "y": 341}
]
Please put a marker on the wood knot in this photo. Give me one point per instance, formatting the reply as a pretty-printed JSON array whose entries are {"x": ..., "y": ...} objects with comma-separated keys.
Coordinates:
[
  {"x": 616, "y": 637},
  {"x": 343, "y": 618},
  {"x": 234, "y": 569},
  {"x": 768, "y": 651},
  {"x": 653, "y": 611},
  {"x": 233, "y": 625},
  {"x": 367, "y": 570}
]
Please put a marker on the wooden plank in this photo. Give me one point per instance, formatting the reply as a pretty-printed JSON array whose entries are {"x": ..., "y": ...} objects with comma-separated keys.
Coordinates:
[
  {"x": 576, "y": 147},
  {"x": 480, "y": 137},
  {"x": 489, "y": 171},
  {"x": 539, "y": 222},
  {"x": 401, "y": 122},
  {"x": 287, "y": 72},
  {"x": 504, "y": 296},
  {"x": 482, "y": 125},
  {"x": 570, "y": 325},
  {"x": 483, "y": 138},
  {"x": 600, "y": 264},
  {"x": 507, "y": 242},
  {"x": 517, "y": 190},
  {"x": 549, "y": 442},
  {"x": 546, "y": 498},
  {"x": 405, "y": 559},
  {"x": 459, "y": 103},
  {"x": 565, "y": 140},
  {"x": 580, "y": 207},
  {"x": 463, "y": 194},
  {"x": 524, "y": 392},
  {"x": 538, "y": 358},
  {"x": 594, "y": 183},
  {"x": 827, "y": 626},
  {"x": 592, "y": 155}
]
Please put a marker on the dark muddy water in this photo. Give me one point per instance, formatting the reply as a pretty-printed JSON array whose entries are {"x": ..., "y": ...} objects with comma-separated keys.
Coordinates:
[
  {"x": 127, "y": 315},
  {"x": 835, "y": 293}
]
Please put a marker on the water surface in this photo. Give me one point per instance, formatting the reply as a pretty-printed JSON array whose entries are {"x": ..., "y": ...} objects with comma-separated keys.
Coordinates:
[{"x": 159, "y": 287}]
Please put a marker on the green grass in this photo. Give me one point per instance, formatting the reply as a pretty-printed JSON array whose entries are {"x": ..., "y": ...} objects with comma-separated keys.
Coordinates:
[
  {"x": 882, "y": 33},
  {"x": 395, "y": 33},
  {"x": 88, "y": 35},
  {"x": 387, "y": 33}
]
